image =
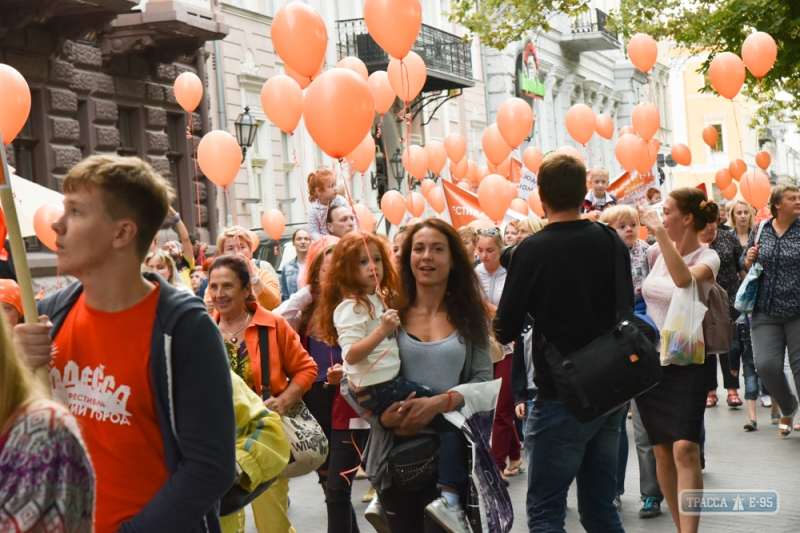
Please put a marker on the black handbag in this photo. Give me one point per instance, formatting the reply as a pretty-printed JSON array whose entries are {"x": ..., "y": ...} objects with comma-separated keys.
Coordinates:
[
  {"x": 613, "y": 369},
  {"x": 415, "y": 463}
]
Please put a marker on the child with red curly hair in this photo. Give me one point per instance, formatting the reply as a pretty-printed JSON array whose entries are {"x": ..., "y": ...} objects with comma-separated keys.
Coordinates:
[{"x": 323, "y": 195}]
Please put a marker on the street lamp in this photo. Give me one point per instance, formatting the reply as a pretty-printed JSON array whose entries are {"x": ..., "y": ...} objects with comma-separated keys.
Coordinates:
[
  {"x": 397, "y": 167},
  {"x": 246, "y": 129}
]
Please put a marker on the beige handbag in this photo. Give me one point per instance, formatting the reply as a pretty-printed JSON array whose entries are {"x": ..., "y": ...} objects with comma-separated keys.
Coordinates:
[{"x": 497, "y": 349}]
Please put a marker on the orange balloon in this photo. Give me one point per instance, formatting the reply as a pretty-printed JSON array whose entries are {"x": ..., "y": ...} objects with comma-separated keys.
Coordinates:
[
  {"x": 472, "y": 172},
  {"x": 15, "y": 104},
  {"x": 646, "y": 120},
  {"x": 366, "y": 221},
  {"x": 436, "y": 199},
  {"x": 427, "y": 185},
  {"x": 382, "y": 91},
  {"x": 219, "y": 156},
  {"x": 763, "y": 159},
  {"x": 362, "y": 157},
  {"x": 515, "y": 121},
  {"x": 629, "y": 151},
  {"x": 254, "y": 238},
  {"x": 572, "y": 152},
  {"x": 479, "y": 223},
  {"x": 415, "y": 203},
  {"x": 643, "y": 51},
  {"x": 407, "y": 76},
  {"x": 581, "y": 123},
  {"x": 625, "y": 130},
  {"x": 759, "y": 53},
  {"x": 494, "y": 196},
  {"x": 456, "y": 147},
  {"x": 437, "y": 156},
  {"x": 502, "y": 169},
  {"x": 730, "y": 191},
  {"x": 464, "y": 185},
  {"x": 340, "y": 97},
  {"x": 188, "y": 91},
  {"x": 604, "y": 126},
  {"x": 535, "y": 203},
  {"x": 302, "y": 81},
  {"x": 723, "y": 178},
  {"x": 393, "y": 206},
  {"x": 356, "y": 65},
  {"x": 681, "y": 154},
  {"x": 726, "y": 73},
  {"x": 645, "y": 165},
  {"x": 710, "y": 136},
  {"x": 520, "y": 206},
  {"x": 282, "y": 102},
  {"x": 300, "y": 38},
  {"x": 653, "y": 147},
  {"x": 273, "y": 223},
  {"x": 755, "y": 188},
  {"x": 494, "y": 146},
  {"x": 415, "y": 161},
  {"x": 643, "y": 233},
  {"x": 737, "y": 168},
  {"x": 482, "y": 173},
  {"x": 459, "y": 170},
  {"x": 394, "y": 24},
  {"x": 43, "y": 220},
  {"x": 532, "y": 157}
]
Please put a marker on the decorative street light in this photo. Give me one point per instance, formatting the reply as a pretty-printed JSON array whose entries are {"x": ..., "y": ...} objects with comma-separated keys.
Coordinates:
[
  {"x": 397, "y": 167},
  {"x": 246, "y": 129}
]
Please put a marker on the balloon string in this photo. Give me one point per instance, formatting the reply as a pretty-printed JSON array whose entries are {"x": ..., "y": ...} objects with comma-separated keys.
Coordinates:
[
  {"x": 300, "y": 178},
  {"x": 230, "y": 209},
  {"x": 738, "y": 133},
  {"x": 380, "y": 125},
  {"x": 591, "y": 155},
  {"x": 346, "y": 472},
  {"x": 190, "y": 135},
  {"x": 294, "y": 152}
]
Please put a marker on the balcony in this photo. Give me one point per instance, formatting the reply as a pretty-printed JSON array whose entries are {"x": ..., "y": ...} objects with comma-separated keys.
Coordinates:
[
  {"x": 66, "y": 18},
  {"x": 166, "y": 29},
  {"x": 589, "y": 34},
  {"x": 447, "y": 58}
]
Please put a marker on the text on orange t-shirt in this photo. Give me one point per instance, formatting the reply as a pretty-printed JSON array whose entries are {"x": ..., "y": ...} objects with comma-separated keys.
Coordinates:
[{"x": 101, "y": 370}]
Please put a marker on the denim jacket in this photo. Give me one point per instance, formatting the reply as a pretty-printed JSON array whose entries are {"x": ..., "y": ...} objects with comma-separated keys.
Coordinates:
[{"x": 289, "y": 279}]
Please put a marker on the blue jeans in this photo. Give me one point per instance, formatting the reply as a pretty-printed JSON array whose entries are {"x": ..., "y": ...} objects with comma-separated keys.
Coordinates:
[
  {"x": 383, "y": 395},
  {"x": 561, "y": 449}
]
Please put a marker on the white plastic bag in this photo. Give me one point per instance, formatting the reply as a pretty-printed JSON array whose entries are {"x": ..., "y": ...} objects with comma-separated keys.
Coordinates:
[{"x": 682, "y": 340}]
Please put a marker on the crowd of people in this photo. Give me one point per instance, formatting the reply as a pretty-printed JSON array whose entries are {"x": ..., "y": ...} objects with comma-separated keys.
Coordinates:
[{"x": 198, "y": 366}]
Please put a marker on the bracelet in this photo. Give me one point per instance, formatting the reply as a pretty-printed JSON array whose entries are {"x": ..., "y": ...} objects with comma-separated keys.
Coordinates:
[
  {"x": 176, "y": 219},
  {"x": 449, "y": 401}
]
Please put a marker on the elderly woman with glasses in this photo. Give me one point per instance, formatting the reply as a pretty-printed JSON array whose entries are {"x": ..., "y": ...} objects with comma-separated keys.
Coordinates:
[{"x": 505, "y": 441}]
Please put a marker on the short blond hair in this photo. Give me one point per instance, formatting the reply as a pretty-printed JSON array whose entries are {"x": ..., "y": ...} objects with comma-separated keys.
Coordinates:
[
  {"x": 165, "y": 258},
  {"x": 615, "y": 213},
  {"x": 233, "y": 231},
  {"x": 131, "y": 189},
  {"x": 468, "y": 232},
  {"x": 600, "y": 171},
  {"x": 532, "y": 224}
]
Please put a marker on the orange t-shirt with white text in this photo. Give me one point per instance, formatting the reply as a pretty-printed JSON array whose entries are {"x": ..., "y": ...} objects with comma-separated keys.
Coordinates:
[{"x": 101, "y": 370}]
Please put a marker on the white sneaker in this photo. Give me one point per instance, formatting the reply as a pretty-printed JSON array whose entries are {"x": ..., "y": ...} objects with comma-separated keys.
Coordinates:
[
  {"x": 766, "y": 401},
  {"x": 451, "y": 519},
  {"x": 374, "y": 515}
]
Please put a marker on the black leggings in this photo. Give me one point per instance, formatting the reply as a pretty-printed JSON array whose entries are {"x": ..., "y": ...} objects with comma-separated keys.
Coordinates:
[
  {"x": 319, "y": 401},
  {"x": 343, "y": 457},
  {"x": 405, "y": 510}
]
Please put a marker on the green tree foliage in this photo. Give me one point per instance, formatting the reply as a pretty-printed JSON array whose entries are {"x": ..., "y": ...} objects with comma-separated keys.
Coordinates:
[{"x": 716, "y": 26}]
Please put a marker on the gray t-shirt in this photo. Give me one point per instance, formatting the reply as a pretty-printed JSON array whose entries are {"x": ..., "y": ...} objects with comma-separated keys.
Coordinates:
[{"x": 448, "y": 356}]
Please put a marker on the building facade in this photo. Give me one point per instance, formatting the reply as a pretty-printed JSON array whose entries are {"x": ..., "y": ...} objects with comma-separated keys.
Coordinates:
[{"x": 101, "y": 77}]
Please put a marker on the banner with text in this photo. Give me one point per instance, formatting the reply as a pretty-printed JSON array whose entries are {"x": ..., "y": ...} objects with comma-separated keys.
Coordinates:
[
  {"x": 631, "y": 187},
  {"x": 463, "y": 207}
]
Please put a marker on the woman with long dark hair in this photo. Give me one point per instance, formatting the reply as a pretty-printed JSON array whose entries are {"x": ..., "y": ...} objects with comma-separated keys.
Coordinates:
[{"x": 444, "y": 342}]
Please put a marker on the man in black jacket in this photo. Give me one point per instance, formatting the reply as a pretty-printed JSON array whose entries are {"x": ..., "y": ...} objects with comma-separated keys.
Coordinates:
[
  {"x": 563, "y": 277},
  {"x": 141, "y": 365}
]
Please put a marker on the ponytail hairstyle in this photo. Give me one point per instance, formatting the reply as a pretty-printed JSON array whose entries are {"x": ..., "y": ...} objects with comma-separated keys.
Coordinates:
[
  {"x": 693, "y": 201},
  {"x": 316, "y": 180},
  {"x": 341, "y": 282}
]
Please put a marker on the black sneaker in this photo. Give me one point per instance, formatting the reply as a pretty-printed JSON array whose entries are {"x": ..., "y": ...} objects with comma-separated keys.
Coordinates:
[
  {"x": 751, "y": 425},
  {"x": 650, "y": 509}
]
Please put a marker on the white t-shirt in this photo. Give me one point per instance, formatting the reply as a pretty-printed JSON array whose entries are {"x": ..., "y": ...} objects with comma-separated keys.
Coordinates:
[
  {"x": 353, "y": 323},
  {"x": 658, "y": 286}
]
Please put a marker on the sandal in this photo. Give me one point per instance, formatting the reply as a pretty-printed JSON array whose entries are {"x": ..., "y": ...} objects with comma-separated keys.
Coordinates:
[
  {"x": 751, "y": 425},
  {"x": 712, "y": 400},
  {"x": 515, "y": 471},
  {"x": 734, "y": 400},
  {"x": 785, "y": 429}
]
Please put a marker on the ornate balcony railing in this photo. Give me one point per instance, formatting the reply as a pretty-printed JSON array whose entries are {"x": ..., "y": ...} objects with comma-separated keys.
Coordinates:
[
  {"x": 586, "y": 23},
  {"x": 590, "y": 34},
  {"x": 447, "y": 57}
]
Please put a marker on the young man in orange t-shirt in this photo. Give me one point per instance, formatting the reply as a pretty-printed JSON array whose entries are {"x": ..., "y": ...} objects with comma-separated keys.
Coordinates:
[{"x": 141, "y": 366}]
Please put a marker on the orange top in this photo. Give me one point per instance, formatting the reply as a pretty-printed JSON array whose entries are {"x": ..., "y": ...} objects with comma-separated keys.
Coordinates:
[
  {"x": 101, "y": 370},
  {"x": 288, "y": 360}
]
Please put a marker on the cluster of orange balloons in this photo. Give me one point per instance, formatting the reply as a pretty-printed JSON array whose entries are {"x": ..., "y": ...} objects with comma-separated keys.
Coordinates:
[{"x": 727, "y": 70}]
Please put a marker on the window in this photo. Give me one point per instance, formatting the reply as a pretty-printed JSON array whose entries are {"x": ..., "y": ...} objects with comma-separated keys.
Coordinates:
[
  {"x": 720, "y": 146},
  {"x": 82, "y": 116},
  {"x": 128, "y": 125},
  {"x": 23, "y": 152},
  {"x": 177, "y": 139},
  {"x": 285, "y": 147}
]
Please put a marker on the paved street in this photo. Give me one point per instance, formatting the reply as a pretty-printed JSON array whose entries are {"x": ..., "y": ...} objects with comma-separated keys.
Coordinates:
[{"x": 735, "y": 460}]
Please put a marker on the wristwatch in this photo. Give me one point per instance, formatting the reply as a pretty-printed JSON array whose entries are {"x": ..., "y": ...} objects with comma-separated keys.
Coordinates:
[{"x": 176, "y": 219}]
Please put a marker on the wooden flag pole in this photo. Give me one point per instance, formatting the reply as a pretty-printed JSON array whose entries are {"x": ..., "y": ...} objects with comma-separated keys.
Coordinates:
[{"x": 18, "y": 251}]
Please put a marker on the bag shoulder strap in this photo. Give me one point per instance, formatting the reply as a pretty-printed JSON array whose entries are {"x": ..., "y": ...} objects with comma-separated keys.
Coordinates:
[
  {"x": 263, "y": 345},
  {"x": 622, "y": 306},
  {"x": 760, "y": 229}
]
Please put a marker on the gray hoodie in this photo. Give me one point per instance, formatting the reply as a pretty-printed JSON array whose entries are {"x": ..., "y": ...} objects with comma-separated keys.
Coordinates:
[{"x": 194, "y": 401}]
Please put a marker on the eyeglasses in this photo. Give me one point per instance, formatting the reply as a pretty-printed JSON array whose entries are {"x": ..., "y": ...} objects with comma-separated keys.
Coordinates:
[{"x": 491, "y": 232}]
